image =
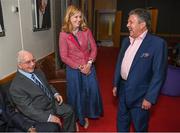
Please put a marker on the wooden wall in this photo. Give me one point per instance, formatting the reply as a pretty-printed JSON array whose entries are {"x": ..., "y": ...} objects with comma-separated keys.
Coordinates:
[
  {"x": 104, "y": 12},
  {"x": 105, "y": 4},
  {"x": 168, "y": 15}
]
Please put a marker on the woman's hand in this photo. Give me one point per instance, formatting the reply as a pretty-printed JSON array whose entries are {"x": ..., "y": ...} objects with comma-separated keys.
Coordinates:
[{"x": 86, "y": 69}]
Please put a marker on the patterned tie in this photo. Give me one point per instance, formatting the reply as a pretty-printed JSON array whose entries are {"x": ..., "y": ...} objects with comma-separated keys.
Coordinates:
[{"x": 44, "y": 89}]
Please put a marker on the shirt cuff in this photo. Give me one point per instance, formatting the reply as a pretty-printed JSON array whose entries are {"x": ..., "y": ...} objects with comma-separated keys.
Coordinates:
[
  {"x": 56, "y": 94},
  {"x": 90, "y": 61},
  {"x": 49, "y": 118}
]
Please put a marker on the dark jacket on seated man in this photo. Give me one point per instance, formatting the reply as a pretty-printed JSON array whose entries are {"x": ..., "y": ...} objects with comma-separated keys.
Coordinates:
[
  {"x": 11, "y": 120},
  {"x": 36, "y": 98}
]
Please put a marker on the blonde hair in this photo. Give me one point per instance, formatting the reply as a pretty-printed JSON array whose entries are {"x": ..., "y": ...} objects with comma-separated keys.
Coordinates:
[{"x": 67, "y": 26}]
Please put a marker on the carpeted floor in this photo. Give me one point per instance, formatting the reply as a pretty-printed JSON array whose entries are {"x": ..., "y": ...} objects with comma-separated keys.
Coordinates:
[{"x": 164, "y": 115}]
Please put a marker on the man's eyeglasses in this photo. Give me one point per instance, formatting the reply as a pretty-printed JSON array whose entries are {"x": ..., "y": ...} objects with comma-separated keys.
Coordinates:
[{"x": 29, "y": 61}]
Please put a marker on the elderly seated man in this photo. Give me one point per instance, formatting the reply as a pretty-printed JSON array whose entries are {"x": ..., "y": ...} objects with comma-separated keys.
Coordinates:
[{"x": 36, "y": 98}]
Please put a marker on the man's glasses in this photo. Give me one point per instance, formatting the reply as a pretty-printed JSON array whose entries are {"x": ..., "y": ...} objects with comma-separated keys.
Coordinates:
[{"x": 29, "y": 61}]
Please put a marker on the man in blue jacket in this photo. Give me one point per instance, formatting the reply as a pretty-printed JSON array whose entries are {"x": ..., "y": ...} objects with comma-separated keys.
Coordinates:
[{"x": 140, "y": 72}]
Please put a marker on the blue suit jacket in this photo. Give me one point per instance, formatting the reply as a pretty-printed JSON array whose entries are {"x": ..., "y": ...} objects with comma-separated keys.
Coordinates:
[{"x": 147, "y": 72}]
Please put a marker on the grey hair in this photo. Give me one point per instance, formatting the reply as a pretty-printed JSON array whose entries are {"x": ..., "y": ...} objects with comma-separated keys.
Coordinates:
[
  {"x": 143, "y": 15},
  {"x": 20, "y": 55}
]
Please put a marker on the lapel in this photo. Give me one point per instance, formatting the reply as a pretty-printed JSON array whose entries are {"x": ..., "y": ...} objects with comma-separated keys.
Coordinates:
[
  {"x": 73, "y": 40},
  {"x": 43, "y": 80},
  {"x": 28, "y": 81},
  {"x": 38, "y": 74},
  {"x": 30, "y": 85},
  {"x": 141, "y": 50},
  {"x": 23, "y": 77}
]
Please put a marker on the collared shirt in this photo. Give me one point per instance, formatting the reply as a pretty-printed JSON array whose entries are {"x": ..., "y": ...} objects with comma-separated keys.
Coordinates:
[
  {"x": 130, "y": 54},
  {"x": 29, "y": 75}
]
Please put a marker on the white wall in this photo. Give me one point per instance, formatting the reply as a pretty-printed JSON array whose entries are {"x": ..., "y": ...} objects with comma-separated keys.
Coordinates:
[{"x": 40, "y": 43}]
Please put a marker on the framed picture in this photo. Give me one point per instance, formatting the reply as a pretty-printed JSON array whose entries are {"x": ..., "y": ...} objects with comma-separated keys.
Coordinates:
[
  {"x": 41, "y": 15},
  {"x": 2, "y": 32}
]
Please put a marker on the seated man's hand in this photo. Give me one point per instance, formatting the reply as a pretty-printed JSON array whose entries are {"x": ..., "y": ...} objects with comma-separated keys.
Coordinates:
[
  {"x": 55, "y": 119},
  {"x": 59, "y": 99},
  {"x": 32, "y": 130}
]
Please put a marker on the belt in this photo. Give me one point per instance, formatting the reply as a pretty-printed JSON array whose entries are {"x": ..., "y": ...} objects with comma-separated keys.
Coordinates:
[{"x": 123, "y": 81}]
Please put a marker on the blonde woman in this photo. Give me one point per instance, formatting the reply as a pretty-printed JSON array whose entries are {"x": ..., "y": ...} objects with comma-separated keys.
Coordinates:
[{"x": 78, "y": 51}]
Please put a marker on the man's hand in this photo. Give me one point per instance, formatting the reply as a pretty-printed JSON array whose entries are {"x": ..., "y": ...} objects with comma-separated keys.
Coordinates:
[
  {"x": 59, "y": 99},
  {"x": 146, "y": 105},
  {"x": 55, "y": 119},
  {"x": 114, "y": 91},
  {"x": 32, "y": 130}
]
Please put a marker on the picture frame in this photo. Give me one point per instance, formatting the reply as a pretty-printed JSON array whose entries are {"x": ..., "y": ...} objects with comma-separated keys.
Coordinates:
[
  {"x": 2, "y": 30},
  {"x": 41, "y": 14}
]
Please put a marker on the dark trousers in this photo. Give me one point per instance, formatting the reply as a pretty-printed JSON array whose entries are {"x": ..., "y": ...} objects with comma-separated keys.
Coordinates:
[
  {"x": 47, "y": 127},
  {"x": 19, "y": 123},
  {"x": 67, "y": 114},
  {"x": 126, "y": 115},
  {"x": 40, "y": 127}
]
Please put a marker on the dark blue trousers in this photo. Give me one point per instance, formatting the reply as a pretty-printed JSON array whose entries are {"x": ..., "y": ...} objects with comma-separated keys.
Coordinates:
[{"x": 127, "y": 115}]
